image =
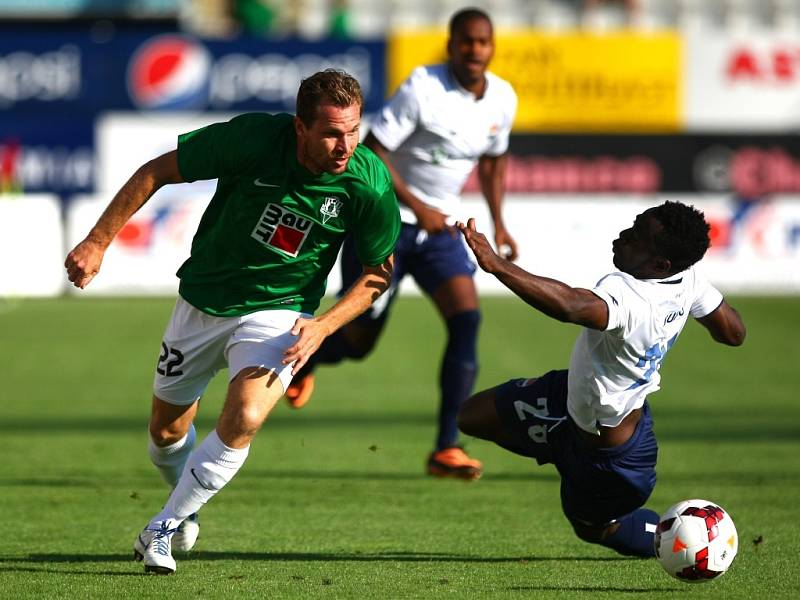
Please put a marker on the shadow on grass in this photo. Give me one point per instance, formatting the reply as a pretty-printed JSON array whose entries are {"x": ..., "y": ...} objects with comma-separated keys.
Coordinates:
[
  {"x": 295, "y": 475},
  {"x": 523, "y": 475},
  {"x": 588, "y": 588},
  {"x": 389, "y": 556},
  {"x": 225, "y": 556},
  {"x": 702, "y": 427},
  {"x": 17, "y": 569}
]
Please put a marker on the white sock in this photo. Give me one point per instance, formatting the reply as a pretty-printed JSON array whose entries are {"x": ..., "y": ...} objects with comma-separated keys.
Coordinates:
[
  {"x": 209, "y": 468},
  {"x": 169, "y": 460}
]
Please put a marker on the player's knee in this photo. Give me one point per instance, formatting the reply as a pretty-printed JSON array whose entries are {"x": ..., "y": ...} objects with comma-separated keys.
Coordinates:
[
  {"x": 471, "y": 418},
  {"x": 249, "y": 420},
  {"x": 593, "y": 534},
  {"x": 164, "y": 434}
]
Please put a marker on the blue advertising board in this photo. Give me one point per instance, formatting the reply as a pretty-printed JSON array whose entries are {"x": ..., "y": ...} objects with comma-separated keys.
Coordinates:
[
  {"x": 82, "y": 70},
  {"x": 56, "y": 80},
  {"x": 51, "y": 153}
]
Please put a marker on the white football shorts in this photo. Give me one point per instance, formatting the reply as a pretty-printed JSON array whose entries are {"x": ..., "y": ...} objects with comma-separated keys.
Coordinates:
[{"x": 197, "y": 345}]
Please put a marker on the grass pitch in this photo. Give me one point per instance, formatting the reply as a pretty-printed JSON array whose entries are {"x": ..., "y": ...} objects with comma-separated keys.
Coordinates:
[{"x": 333, "y": 503}]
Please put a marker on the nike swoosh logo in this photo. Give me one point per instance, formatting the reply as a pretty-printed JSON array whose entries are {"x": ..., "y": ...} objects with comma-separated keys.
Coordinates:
[
  {"x": 260, "y": 183},
  {"x": 203, "y": 485}
]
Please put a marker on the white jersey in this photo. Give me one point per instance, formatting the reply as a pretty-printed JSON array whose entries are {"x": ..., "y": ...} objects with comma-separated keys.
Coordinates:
[
  {"x": 612, "y": 371},
  {"x": 436, "y": 131}
]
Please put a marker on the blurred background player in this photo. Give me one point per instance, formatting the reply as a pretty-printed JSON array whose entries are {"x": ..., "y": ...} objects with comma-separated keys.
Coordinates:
[
  {"x": 593, "y": 421},
  {"x": 257, "y": 271},
  {"x": 443, "y": 120}
]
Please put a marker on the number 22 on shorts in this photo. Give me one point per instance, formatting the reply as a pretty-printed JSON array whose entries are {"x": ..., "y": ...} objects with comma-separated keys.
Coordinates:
[{"x": 169, "y": 368}]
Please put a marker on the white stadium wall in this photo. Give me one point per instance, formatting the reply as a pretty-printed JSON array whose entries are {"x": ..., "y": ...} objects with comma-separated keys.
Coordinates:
[
  {"x": 148, "y": 250},
  {"x": 31, "y": 246},
  {"x": 756, "y": 246}
]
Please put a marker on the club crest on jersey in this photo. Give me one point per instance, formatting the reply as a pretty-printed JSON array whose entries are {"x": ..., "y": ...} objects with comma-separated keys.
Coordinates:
[
  {"x": 282, "y": 230},
  {"x": 330, "y": 208}
]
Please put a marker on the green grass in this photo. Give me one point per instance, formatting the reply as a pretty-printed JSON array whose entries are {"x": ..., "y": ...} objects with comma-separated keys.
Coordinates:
[{"x": 332, "y": 501}]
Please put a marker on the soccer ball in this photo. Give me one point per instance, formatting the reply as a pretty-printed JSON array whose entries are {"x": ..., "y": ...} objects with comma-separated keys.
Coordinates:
[{"x": 696, "y": 541}]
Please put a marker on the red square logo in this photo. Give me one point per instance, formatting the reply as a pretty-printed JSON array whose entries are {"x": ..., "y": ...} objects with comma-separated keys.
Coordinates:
[{"x": 287, "y": 239}]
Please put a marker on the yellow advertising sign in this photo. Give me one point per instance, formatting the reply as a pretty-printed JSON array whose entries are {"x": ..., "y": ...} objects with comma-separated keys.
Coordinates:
[{"x": 571, "y": 81}]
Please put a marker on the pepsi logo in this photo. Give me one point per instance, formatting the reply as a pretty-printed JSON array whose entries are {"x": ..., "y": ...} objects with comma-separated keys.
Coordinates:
[{"x": 169, "y": 72}]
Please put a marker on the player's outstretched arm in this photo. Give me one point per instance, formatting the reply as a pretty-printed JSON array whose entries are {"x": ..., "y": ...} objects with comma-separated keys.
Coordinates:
[
  {"x": 372, "y": 282},
  {"x": 725, "y": 325},
  {"x": 550, "y": 296},
  {"x": 84, "y": 261}
]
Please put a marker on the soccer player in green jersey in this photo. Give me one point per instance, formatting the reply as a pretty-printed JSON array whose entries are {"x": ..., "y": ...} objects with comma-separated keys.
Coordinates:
[{"x": 289, "y": 190}]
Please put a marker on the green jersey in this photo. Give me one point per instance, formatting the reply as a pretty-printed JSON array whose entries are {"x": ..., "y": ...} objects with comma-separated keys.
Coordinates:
[{"x": 272, "y": 230}]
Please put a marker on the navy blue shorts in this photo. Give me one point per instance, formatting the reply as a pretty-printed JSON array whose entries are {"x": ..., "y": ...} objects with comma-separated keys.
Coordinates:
[
  {"x": 598, "y": 485},
  {"x": 431, "y": 259}
]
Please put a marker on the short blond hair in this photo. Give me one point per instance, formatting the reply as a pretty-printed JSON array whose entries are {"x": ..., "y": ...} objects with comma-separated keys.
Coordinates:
[{"x": 330, "y": 86}]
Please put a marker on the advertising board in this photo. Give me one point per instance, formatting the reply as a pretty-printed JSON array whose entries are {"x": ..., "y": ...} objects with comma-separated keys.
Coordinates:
[
  {"x": 748, "y": 165},
  {"x": 32, "y": 246},
  {"x": 571, "y": 81},
  {"x": 742, "y": 81},
  {"x": 82, "y": 69},
  {"x": 755, "y": 245}
]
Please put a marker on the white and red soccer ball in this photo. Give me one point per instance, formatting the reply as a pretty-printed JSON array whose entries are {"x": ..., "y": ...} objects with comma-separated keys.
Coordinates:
[{"x": 696, "y": 541}]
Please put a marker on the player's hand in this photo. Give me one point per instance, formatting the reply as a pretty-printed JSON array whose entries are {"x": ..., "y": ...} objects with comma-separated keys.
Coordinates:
[
  {"x": 312, "y": 333},
  {"x": 432, "y": 220},
  {"x": 505, "y": 244},
  {"x": 83, "y": 263},
  {"x": 484, "y": 253}
]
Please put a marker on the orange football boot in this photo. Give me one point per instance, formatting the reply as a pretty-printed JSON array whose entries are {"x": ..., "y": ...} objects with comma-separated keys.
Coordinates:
[
  {"x": 454, "y": 462},
  {"x": 299, "y": 391}
]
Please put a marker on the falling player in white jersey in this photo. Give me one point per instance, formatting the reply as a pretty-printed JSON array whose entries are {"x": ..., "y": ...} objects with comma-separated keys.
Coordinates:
[
  {"x": 593, "y": 421},
  {"x": 443, "y": 121}
]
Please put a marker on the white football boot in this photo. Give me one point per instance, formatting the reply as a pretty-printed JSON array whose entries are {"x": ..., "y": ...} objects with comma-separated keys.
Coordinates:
[
  {"x": 154, "y": 547},
  {"x": 186, "y": 535}
]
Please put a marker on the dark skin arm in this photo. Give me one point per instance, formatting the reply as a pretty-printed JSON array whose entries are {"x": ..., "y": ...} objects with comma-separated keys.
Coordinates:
[
  {"x": 577, "y": 305},
  {"x": 550, "y": 296},
  {"x": 428, "y": 219},
  {"x": 492, "y": 177},
  {"x": 725, "y": 325}
]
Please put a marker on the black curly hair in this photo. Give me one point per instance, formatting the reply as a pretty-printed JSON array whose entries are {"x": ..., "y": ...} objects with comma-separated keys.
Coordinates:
[
  {"x": 464, "y": 15},
  {"x": 684, "y": 237}
]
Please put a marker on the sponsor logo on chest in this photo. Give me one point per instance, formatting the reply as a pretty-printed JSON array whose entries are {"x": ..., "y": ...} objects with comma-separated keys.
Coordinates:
[{"x": 282, "y": 230}]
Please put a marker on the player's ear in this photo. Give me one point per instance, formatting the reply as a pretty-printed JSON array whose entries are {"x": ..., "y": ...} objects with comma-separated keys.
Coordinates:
[
  {"x": 662, "y": 265},
  {"x": 299, "y": 126}
]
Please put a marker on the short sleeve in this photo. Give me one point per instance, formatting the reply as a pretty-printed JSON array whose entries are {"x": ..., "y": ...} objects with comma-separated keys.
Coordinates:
[
  {"x": 377, "y": 224},
  {"x": 611, "y": 290},
  {"x": 399, "y": 116},
  {"x": 228, "y": 148},
  {"x": 707, "y": 298},
  {"x": 499, "y": 144}
]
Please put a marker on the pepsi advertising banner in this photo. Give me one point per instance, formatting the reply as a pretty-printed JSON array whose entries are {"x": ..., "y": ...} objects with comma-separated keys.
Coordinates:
[{"x": 85, "y": 70}]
